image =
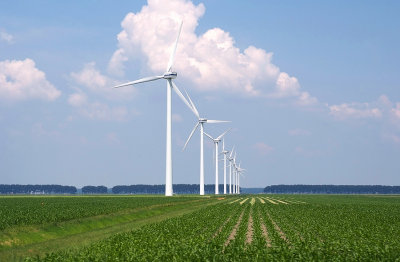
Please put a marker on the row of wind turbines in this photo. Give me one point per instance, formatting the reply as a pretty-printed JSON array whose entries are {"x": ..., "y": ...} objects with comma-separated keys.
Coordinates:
[{"x": 234, "y": 169}]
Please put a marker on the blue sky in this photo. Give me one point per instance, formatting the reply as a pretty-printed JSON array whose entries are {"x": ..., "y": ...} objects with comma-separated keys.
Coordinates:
[{"x": 312, "y": 90}]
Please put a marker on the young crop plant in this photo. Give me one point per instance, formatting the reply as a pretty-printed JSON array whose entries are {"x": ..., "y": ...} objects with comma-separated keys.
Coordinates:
[{"x": 304, "y": 228}]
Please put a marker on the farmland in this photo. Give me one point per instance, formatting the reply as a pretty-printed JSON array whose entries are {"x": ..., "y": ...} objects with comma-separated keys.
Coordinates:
[{"x": 252, "y": 227}]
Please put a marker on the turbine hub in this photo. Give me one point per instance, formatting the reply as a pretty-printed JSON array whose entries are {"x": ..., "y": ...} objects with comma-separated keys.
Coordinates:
[
  {"x": 170, "y": 75},
  {"x": 202, "y": 120}
]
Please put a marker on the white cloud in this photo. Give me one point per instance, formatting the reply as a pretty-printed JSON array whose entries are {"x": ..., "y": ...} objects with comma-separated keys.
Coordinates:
[
  {"x": 396, "y": 110},
  {"x": 210, "y": 61},
  {"x": 286, "y": 86},
  {"x": 21, "y": 80},
  {"x": 90, "y": 78},
  {"x": 6, "y": 37},
  {"x": 77, "y": 99},
  {"x": 263, "y": 149},
  {"x": 97, "y": 110},
  {"x": 355, "y": 110},
  {"x": 100, "y": 111},
  {"x": 393, "y": 138},
  {"x": 305, "y": 99}
]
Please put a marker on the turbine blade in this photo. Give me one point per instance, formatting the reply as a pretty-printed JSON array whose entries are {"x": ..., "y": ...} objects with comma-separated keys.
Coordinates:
[
  {"x": 233, "y": 149},
  {"x": 172, "y": 56},
  {"x": 193, "y": 106},
  {"x": 179, "y": 93},
  {"x": 209, "y": 136},
  {"x": 223, "y": 134},
  {"x": 142, "y": 80},
  {"x": 217, "y": 121},
  {"x": 191, "y": 134}
]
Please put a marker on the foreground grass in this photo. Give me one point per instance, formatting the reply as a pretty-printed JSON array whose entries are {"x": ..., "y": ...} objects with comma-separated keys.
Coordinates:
[
  {"x": 261, "y": 228},
  {"x": 20, "y": 241}
]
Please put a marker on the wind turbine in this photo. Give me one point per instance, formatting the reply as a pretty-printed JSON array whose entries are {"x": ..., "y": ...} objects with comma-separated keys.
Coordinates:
[
  {"x": 216, "y": 141},
  {"x": 230, "y": 158},
  {"x": 239, "y": 173},
  {"x": 225, "y": 152},
  {"x": 234, "y": 174},
  {"x": 200, "y": 122},
  {"x": 168, "y": 75}
]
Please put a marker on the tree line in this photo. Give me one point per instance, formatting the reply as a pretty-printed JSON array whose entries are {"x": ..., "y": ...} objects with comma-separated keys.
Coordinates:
[
  {"x": 37, "y": 189},
  {"x": 160, "y": 189},
  {"x": 132, "y": 189},
  {"x": 332, "y": 189}
]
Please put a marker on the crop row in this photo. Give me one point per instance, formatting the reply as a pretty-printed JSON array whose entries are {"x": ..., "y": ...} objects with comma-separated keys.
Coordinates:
[
  {"x": 15, "y": 211},
  {"x": 252, "y": 228}
]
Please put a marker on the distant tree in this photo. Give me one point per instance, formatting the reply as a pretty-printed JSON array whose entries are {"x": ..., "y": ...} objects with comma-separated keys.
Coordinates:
[
  {"x": 332, "y": 189},
  {"x": 94, "y": 190},
  {"x": 160, "y": 189},
  {"x": 32, "y": 189}
]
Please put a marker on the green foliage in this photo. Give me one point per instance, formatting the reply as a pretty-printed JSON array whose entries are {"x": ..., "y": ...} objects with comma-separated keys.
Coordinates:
[
  {"x": 341, "y": 228},
  {"x": 28, "y": 210}
]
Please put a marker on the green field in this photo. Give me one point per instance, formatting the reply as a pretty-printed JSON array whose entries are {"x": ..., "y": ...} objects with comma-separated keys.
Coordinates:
[{"x": 193, "y": 228}]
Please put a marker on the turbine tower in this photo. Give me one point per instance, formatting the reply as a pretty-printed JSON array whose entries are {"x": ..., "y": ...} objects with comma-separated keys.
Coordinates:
[
  {"x": 216, "y": 141},
  {"x": 234, "y": 175},
  {"x": 239, "y": 173},
  {"x": 230, "y": 158},
  {"x": 168, "y": 75},
  {"x": 225, "y": 152},
  {"x": 200, "y": 122}
]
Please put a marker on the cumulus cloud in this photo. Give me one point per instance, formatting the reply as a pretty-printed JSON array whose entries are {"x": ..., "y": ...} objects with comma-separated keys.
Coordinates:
[
  {"x": 97, "y": 110},
  {"x": 6, "y": 37},
  {"x": 94, "y": 81},
  {"x": 100, "y": 111},
  {"x": 382, "y": 109},
  {"x": 21, "y": 80},
  {"x": 263, "y": 149},
  {"x": 355, "y": 110},
  {"x": 77, "y": 99},
  {"x": 396, "y": 110},
  {"x": 210, "y": 61}
]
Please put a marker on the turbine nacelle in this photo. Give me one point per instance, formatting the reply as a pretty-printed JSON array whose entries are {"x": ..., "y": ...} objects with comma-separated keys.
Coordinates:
[
  {"x": 202, "y": 120},
  {"x": 170, "y": 75}
]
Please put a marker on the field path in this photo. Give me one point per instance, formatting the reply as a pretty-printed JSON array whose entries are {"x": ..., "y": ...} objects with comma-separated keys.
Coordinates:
[
  {"x": 242, "y": 202},
  {"x": 278, "y": 229},
  {"x": 235, "y": 201},
  {"x": 249, "y": 234},
  {"x": 222, "y": 226},
  {"x": 234, "y": 230},
  {"x": 265, "y": 233},
  {"x": 280, "y": 201},
  {"x": 271, "y": 201},
  {"x": 261, "y": 200}
]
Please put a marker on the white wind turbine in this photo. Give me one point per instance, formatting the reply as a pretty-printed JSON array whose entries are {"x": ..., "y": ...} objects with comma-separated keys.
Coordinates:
[
  {"x": 216, "y": 141},
  {"x": 230, "y": 158},
  {"x": 239, "y": 173},
  {"x": 225, "y": 152},
  {"x": 200, "y": 122},
  {"x": 234, "y": 175},
  {"x": 168, "y": 75}
]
